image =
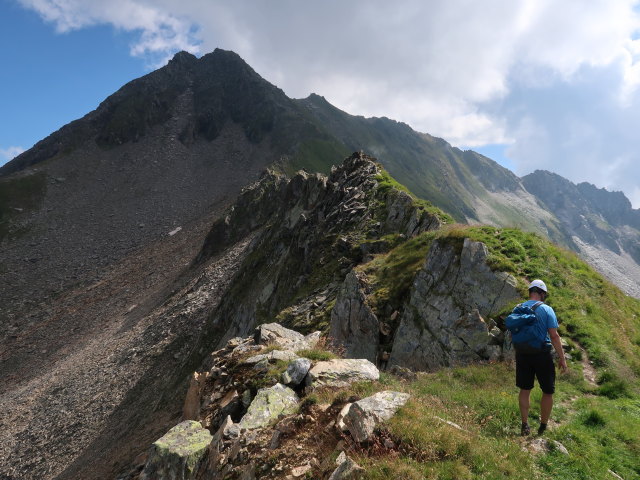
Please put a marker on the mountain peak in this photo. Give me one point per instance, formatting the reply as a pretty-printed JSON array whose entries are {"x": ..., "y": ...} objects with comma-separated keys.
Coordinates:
[{"x": 183, "y": 57}]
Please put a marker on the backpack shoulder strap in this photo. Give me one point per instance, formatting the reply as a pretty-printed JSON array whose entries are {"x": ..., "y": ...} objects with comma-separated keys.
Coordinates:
[{"x": 536, "y": 305}]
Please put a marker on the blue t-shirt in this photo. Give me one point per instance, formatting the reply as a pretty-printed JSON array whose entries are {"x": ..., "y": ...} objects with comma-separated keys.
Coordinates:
[{"x": 546, "y": 319}]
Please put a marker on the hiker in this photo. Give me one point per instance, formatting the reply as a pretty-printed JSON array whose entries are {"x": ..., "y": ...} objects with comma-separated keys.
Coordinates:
[{"x": 534, "y": 359}]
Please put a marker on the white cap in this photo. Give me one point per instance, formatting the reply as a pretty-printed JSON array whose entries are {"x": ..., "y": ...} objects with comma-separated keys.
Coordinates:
[{"x": 540, "y": 284}]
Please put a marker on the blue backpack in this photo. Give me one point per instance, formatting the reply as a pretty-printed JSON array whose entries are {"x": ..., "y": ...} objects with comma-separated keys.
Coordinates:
[{"x": 521, "y": 323}]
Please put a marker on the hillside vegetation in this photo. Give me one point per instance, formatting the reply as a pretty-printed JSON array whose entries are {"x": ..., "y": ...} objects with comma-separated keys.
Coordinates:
[{"x": 598, "y": 424}]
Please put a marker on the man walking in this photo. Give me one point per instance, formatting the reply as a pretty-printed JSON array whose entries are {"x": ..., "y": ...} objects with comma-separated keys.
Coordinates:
[{"x": 539, "y": 362}]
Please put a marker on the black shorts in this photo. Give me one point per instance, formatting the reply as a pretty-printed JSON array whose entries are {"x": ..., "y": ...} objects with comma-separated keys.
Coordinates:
[{"x": 539, "y": 365}]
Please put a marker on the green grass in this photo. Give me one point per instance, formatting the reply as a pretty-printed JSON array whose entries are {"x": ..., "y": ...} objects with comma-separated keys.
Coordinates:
[
  {"x": 598, "y": 425},
  {"x": 317, "y": 355},
  {"x": 599, "y": 433},
  {"x": 393, "y": 273}
]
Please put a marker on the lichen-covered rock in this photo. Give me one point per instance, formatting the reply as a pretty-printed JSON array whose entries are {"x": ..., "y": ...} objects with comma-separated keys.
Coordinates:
[
  {"x": 451, "y": 296},
  {"x": 276, "y": 334},
  {"x": 177, "y": 454},
  {"x": 354, "y": 326},
  {"x": 342, "y": 372},
  {"x": 296, "y": 371},
  {"x": 268, "y": 405},
  {"x": 364, "y": 415}
]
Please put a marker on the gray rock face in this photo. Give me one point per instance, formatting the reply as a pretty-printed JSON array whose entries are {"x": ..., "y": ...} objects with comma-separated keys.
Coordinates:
[
  {"x": 365, "y": 414},
  {"x": 268, "y": 405},
  {"x": 354, "y": 326},
  {"x": 403, "y": 215},
  {"x": 276, "y": 334},
  {"x": 342, "y": 372},
  {"x": 347, "y": 468},
  {"x": 452, "y": 295},
  {"x": 177, "y": 454},
  {"x": 296, "y": 371}
]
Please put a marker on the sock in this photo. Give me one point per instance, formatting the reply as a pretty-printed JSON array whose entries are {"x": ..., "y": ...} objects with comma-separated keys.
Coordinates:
[{"x": 542, "y": 428}]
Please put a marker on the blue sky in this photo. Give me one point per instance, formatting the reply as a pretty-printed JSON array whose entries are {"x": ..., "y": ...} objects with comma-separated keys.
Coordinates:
[
  {"x": 533, "y": 84},
  {"x": 49, "y": 79}
]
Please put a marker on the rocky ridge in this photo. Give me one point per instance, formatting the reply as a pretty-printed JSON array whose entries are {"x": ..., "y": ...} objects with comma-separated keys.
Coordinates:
[
  {"x": 454, "y": 291},
  {"x": 261, "y": 428}
]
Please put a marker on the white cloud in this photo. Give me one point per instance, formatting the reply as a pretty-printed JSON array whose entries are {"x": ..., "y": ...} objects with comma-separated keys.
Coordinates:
[
  {"x": 161, "y": 33},
  {"x": 9, "y": 153},
  {"x": 472, "y": 72}
]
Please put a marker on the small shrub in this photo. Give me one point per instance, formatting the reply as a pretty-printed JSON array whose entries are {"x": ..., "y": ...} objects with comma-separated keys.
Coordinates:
[
  {"x": 308, "y": 402},
  {"x": 594, "y": 419}
]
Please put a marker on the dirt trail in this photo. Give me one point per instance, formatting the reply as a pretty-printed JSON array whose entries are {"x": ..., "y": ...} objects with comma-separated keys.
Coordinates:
[{"x": 588, "y": 371}]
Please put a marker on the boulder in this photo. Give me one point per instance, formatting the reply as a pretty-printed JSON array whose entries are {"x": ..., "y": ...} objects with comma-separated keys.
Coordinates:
[
  {"x": 268, "y": 405},
  {"x": 354, "y": 326},
  {"x": 347, "y": 469},
  {"x": 542, "y": 445},
  {"x": 273, "y": 356},
  {"x": 364, "y": 415},
  {"x": 342, "y": 372},
  {"x": 178, "y": 453},
  {"x": 276, "y": 334},
  {"x": 296, "y": 371},
  {"x": 452, "y": 295}
]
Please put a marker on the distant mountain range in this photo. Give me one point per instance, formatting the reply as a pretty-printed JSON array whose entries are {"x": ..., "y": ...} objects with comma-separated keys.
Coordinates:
[{"x": 164, "y": 148}]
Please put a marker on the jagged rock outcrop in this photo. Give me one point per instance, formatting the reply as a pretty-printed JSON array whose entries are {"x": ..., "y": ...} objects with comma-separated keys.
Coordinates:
[
  {"x": 178, "y": 453},
  {"x": 364, "y": 415},
  {"x": 354, "y": 326},
  {"x": 308, "y": 235},
  {"x": 447, "y": 319}
]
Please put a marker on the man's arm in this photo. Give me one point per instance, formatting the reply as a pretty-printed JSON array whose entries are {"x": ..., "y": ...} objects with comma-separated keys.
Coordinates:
[{"x": 557, "y": 344}]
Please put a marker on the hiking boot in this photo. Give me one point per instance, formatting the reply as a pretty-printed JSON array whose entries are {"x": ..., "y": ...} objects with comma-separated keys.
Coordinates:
[
  {"x": 525, "y": 430},
  {"x": 542, "y": 428}
]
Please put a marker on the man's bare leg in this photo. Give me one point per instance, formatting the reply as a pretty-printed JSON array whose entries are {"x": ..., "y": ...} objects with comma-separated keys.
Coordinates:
[
  {"x": 523, "y": 400},
  {"x": 546, "y": 404}
]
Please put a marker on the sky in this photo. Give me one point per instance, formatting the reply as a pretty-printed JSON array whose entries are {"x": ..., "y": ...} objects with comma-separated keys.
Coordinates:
[{"x": 533, "y": 84}]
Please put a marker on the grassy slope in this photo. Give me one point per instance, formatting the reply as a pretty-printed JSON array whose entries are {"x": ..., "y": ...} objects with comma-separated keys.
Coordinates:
[{"x": 597, "y": 425}]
